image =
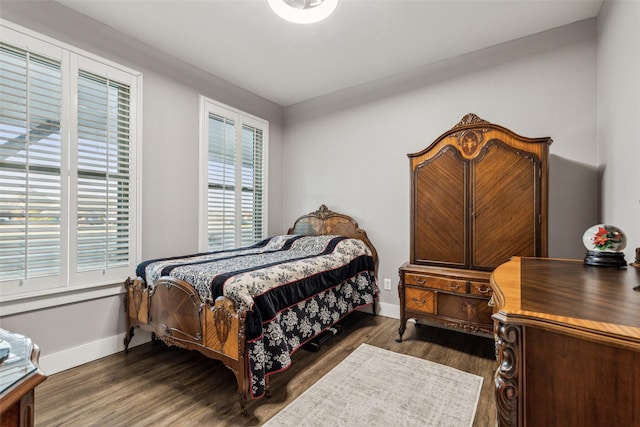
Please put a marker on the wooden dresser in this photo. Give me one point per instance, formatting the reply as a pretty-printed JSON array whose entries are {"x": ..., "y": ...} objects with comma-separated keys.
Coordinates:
[
  {"x": 478, "y": 197},
  {"x": 568, "y": 340}
]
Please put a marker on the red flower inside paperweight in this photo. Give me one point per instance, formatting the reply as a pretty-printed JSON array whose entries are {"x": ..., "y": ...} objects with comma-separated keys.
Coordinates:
[{"x": 604, "y": 245}]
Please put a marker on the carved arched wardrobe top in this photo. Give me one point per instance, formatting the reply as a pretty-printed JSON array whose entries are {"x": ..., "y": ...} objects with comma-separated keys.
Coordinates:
[{"x": 472, "y": 133}]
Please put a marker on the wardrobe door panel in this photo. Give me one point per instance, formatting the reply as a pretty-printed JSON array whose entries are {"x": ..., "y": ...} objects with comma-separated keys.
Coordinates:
[
  {"x": 505, "y": 205},
  {"x": 439, "y": 223}
]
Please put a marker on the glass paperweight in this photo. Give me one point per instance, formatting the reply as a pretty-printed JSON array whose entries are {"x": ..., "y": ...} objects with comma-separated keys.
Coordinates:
[{"x": 604, "y": 244}]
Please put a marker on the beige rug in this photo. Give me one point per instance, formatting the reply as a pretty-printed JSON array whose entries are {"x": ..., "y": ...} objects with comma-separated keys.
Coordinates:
[{"x": 377, "y": 387}]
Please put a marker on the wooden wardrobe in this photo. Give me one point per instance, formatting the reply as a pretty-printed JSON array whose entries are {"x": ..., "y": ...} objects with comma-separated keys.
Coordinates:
[{"x": 478, "y": 197}]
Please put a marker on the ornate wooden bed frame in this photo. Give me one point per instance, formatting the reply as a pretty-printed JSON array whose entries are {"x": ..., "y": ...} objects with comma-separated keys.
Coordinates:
[{"x": 176, "y": 314}]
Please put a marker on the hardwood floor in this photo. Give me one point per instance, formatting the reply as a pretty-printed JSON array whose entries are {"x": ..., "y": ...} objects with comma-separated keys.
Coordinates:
[{"x": 154, "y": 385}]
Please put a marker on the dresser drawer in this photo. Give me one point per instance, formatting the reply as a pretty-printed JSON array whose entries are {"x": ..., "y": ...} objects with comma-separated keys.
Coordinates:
[
  {"x": 480, "y": 288},
  {"x": 419, "y": 300},
  {"x": 436, "y": 282},
  {"x": 475, "y": 310}
]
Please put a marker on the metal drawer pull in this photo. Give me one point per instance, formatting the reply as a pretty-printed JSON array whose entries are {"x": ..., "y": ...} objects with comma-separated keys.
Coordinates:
[
  {"x": 420, "y": 302},
  {"x": 420, "y": 281},
  {"x": 454, "y": 286},
  {"x": 484, "y": 289}
]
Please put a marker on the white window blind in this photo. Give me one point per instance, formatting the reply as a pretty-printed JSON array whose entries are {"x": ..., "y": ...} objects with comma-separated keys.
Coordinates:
[
  {"x": 234, "y": 178},
  {"x": 221, "y": 207},
  {"x": 103, "y": 173},
  {"x": 252, "y": 228},
  {"x": 67, "y": 167},
  {"x": 30, "y": 164}
]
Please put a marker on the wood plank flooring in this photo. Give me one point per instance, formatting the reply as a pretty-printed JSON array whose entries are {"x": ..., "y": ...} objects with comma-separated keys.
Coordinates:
[{"x": 154, "y": 385}]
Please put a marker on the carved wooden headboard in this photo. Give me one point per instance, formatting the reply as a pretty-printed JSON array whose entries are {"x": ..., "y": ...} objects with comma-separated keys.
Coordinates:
[{"x": 324, "y": 221}]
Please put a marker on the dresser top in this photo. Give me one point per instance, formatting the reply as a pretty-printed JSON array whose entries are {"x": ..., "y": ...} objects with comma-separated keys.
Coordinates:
[{"x": 568, "y": 293}]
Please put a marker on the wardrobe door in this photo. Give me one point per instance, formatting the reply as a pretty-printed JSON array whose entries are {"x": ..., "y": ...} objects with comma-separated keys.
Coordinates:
[
  {"x": 439, "y": 226},
  {"x": 505, "y": 205}
]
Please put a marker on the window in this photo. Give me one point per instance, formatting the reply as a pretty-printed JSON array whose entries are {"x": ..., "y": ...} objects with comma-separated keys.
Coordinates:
[
  {"x": 67, "y": 167},
  {"x": 30, "y": 165},
  {"x": 103, "y": 180},
  {"x": 233, "y": 170}
]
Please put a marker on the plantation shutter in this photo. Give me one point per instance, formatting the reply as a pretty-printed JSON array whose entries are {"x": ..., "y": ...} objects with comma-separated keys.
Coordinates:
[
  {"x": 234, "y": 176},
  {"x": 30, "y": 165},
  {"x": 103, "y": 205},
  {"x": 221, "y": 206},
  {"x": 252, "y": 185}
]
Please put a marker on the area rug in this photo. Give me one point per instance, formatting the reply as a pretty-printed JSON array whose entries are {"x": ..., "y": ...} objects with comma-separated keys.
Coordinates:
[{"x": 378, "y": 387}]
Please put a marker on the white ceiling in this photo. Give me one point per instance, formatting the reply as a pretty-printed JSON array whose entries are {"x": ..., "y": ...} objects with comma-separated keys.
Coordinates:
[{"x": 245, "y": 43}]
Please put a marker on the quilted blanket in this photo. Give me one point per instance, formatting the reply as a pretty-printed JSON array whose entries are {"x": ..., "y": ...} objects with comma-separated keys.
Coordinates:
[{"x": 294, "y": 287}]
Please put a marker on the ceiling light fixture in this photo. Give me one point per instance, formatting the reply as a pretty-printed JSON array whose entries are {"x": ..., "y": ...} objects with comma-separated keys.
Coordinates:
[{"x": 303, "y": 11}]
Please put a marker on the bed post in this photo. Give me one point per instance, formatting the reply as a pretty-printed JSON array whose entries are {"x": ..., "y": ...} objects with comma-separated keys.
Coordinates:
[
  {"x": 129, "y": 332},
  {"x": 243, "y": 363},
  {"x": 242, "y": 372},
  {"x": 224, "y": 332},
  {"x": 135, "y": 307}
]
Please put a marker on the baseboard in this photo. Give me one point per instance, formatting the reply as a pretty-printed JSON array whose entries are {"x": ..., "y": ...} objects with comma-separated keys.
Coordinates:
[
  {"x": 70, "y": 358},
  {"x": 389, "y": 310}
]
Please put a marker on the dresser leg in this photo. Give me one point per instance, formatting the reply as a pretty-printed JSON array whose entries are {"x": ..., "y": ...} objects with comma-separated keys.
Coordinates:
[{"x": 403, "y": 319}]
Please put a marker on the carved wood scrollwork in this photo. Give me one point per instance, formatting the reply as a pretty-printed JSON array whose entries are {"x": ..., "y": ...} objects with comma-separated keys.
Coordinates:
[
  {"x": 323, "y": 212},
  {"x": 470, "y": 140},
  {"x": 170, "y": 341},
  {"x": 467, "y": 327},
  {"x": 508, "y": 387},
  {"x": 455, "y": 325},
  {"x": 222, "y": 322},
  {"x": 470, "y": 119},
  {"x": 137, "y": 296}
]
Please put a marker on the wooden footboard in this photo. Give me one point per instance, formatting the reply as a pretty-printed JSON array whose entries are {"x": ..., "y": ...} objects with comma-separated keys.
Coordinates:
[{"x": 176, "y": 314}]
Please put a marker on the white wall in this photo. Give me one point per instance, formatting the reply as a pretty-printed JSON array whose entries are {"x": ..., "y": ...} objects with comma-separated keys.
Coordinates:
[
  {"x": 348, "y": 149},
  {"x": 79, "y": 332},
  {"x": 619, "y": 117}
]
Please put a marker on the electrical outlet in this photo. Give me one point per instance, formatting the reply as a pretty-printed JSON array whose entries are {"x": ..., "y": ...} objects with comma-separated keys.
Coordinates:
[{"x": 387, "y": 284}]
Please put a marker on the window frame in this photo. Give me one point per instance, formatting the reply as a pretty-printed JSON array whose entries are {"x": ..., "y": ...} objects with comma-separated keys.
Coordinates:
[
  {"x": 209, "y": 106},
  {"x": 72, "y": 286}
]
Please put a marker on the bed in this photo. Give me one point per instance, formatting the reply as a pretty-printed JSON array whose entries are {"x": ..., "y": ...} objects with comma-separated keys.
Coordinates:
[{"x": 253, "y": 307}]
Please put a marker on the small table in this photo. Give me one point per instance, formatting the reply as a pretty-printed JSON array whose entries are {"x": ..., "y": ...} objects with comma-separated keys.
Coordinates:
[{"x": 19, "y": 375}]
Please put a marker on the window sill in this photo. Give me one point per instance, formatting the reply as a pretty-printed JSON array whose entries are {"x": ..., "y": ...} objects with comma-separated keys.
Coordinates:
[{"x": 16, "y": 304}]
